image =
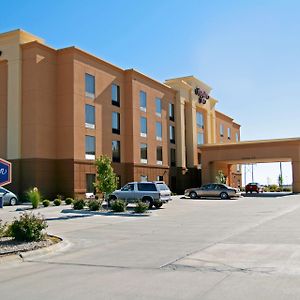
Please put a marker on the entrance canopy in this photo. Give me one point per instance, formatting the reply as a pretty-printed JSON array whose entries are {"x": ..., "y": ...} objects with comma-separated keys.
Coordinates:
[{"x": 215, "y": 156}]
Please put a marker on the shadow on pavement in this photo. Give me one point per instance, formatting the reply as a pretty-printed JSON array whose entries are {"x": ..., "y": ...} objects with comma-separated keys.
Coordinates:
[{"x": 267, "y": 195}]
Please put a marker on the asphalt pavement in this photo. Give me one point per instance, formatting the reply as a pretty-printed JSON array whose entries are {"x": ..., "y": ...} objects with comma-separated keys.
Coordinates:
[{"x": 247, "y": 248}]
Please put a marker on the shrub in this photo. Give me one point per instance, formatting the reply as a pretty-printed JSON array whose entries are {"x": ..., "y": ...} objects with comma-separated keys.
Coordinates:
[
  {"x": 94, "y": 204},
  {"x": 60, "y": 197},
  {"x": 46, "y": 203},
  {"x": 141, "y": 207},
  {"x": 286, "y": 189},
  {"x": 118, "y": 205},
  {"x": 273, "y": 187},
  {"x": 28, "y": 228},
  {"x": 57, "y": 202},
  {"x": 3, "y": 229},
  {"x": 69, "y": 201},
  {"x": 78, "y": 204},
  {"x": 34, "y": 197}
]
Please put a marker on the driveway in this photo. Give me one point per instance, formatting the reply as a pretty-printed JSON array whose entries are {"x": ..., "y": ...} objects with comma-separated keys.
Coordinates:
[{"x": 191, "y": 249}]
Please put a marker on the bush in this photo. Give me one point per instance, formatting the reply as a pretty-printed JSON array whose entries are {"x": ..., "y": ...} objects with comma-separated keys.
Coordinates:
[
  {"x": 60, "y": 197},
  {"x": 34, "y": 197},
  {"x": 94, "y": 204},
  {"x": 28, "y": 228},
  {"x": 46, "y": 203},
  {"x": 286, "y": 189},
  {"x": 78, "y": 204},
  {"x": 57, "y": 202},
  {"x": 118, "y": 205},
  {"x": 3, "y": 229},
  {"x": 69, "y": 201},
  {"x": 141, "y": 207}
]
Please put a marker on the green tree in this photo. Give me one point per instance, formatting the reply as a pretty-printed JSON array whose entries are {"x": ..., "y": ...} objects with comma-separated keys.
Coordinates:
[
  {"x": 106, "y": 179},
  {"x": 220, "y": 177}
]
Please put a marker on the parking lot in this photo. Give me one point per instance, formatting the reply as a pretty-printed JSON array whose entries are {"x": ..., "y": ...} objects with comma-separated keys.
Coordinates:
[{"x": 247, "y": 248}]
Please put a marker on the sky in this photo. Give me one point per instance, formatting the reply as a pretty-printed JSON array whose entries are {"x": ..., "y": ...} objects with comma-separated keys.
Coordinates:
[{"x": 247, "y": 51}]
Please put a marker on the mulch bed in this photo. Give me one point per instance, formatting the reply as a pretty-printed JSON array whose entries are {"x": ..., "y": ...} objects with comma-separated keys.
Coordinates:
[{"x": 9, "y": 246}]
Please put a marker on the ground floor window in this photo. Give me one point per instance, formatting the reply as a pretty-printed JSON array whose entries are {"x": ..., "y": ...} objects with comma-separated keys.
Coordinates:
[
  {"x": 144, "y": 178},
  {"x": 90, "y": 179},
  {"x": 160, "y": 178}
]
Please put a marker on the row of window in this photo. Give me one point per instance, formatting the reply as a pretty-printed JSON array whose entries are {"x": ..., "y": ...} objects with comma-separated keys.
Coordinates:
[
  {"x": 90, "y": 151},
  {"x": 228, "y": 133}
]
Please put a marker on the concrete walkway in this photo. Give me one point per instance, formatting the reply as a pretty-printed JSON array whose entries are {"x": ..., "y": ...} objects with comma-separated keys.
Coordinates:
[{"x": 191, "y": 249}]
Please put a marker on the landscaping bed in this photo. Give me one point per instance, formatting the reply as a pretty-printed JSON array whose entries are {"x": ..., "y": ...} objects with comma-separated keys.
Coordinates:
[{"x": 9, "y": 245}]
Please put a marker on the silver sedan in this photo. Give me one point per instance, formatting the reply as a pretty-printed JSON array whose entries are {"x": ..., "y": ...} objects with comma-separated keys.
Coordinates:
[
  {"x": 213, "y": 190},
  {"x": 8, "y": 197}
]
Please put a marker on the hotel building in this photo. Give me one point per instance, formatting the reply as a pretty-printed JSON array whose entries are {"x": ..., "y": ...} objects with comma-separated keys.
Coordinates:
[{"x": 62, "y": 108}]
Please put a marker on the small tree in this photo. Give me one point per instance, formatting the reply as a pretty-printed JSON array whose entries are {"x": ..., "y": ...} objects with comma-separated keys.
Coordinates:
[
  {"x": 106, "y": 179},
  {"x": 220, "y": 177},
  {"x": 280, "y": 181}
]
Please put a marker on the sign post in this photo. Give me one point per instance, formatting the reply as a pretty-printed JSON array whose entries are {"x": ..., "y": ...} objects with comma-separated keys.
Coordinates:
[{"x": 5, "y": 176}]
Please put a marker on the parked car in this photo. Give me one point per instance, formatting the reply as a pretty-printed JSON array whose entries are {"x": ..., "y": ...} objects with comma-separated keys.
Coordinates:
[
  {"x": 154, "y": 193},
  {"x": 8, "y": 197},
  {"x": 254, "y": 187},
  {"x": 213, "y": 190}
]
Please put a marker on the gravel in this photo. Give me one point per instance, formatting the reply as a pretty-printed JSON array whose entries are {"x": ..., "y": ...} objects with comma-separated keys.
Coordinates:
[{"x": 9, "y": 246}]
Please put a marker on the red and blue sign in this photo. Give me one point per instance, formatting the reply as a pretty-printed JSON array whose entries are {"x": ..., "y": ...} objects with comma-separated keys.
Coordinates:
[{"x": 5, "y": 172}]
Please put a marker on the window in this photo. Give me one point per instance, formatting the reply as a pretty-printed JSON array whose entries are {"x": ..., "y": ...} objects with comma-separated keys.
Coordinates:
[
  {"x": 200, "y": 138},
  {"x": 171, "y": 111},
  {"x": 89, "y": 86},
  {"x": 144, "y": 156},
  {"x": 229, "y": 133},
  {"x": 116, "y": 151},
  {"x": 115, "y": 122},
  {"x": 158, "y": 107},
  {"x": 148, "y": 187},
  {"x": 90, "y": 147},
  {"x": 89, "y": 116},
  {"x": 221, "y": 130},
  {"x": 115, "y": 95},
  {"x": 172, "y": 134},
  {"x": 199, "y": 158},
  {"x": 144, "y": 178},
  {"x": 200, "y": 120},
  {"x": 238, "y": 168},
  {"x": 143, "y": 101},
  {"x": 158, "y": 131},
  {"x": 173, "y": 157},
  {"x": 128, "y": 187},
  {"x": 237, "y": 138},
  {"x": 143, "y": 129},
  {"x": 159, "y": 155},
  {"x": 90, "y": 180},
  {"x": 159, "y": 178}
]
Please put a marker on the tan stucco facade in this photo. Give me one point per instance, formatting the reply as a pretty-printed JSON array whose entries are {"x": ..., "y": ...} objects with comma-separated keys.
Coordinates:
[{"x": 42, "y": 119}]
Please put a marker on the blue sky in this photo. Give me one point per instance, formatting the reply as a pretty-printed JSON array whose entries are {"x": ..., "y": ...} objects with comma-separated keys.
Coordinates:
[{"x": 248, "y": 51}]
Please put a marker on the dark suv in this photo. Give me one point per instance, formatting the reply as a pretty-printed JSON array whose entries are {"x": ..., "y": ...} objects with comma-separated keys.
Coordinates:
[
  {"x": 254, "y": 187},
  {"x": 154, "y": 193}
]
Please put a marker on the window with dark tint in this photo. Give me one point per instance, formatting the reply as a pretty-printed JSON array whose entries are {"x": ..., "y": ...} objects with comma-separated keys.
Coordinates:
[
  {"x": 90, "y": 116},
  {"x": 115, "y": 95},
  {"x": 89, "y": 85},
  {"x": 159, "y": 155},
  {"x": 144, "y": 151},
  {"x": 143, "y": 100},
  {"x": 148, "y": 187},
  {"x": 173, "y": 157},
  {"x": 90, "y": 179},
  {"x": 116, "y": 151},
  {"x": 115, "y": 122},
  {"x": 199, "y": 158},
  {"x": 172, "y": 134},
  {"x": 90, "y": 145},
  {"x": 171, "y": 112}
]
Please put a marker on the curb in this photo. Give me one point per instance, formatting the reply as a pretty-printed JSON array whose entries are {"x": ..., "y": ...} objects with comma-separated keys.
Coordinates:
[{"x": 22, "y": 256}]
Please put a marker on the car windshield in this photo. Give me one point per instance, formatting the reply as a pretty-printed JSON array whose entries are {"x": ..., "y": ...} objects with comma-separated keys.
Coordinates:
[{"x": 162, "y": 187}]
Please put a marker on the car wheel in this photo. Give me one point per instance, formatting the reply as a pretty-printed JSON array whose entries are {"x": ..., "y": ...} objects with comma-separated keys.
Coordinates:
[
  {"x": 148, "y": 201},
  {"x": 224, "y": 195},
  {"x": 13, "y": 201},
  {"x": 158, "y": 204},
  {"x": 110, "y": 200},
  {"x": 193, "y": 195}
]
